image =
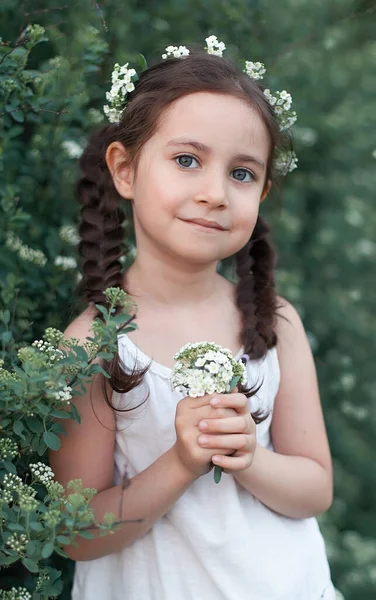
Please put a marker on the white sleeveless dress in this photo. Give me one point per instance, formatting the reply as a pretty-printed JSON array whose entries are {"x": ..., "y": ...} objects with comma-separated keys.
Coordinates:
[{"x": 218, "y": 542}]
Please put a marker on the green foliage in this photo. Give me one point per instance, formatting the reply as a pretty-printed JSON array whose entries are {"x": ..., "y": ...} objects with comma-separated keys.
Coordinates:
[
  {"x": 37, "y": 515},
  {"x": 51, "y": 96}
]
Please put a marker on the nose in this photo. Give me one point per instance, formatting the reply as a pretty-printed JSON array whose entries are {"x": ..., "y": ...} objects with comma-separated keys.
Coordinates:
[{"x": 212, "y": 190}]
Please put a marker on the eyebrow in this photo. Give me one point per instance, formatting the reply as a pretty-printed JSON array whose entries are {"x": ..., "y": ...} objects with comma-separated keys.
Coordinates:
[{"x": 203, "y": 148}]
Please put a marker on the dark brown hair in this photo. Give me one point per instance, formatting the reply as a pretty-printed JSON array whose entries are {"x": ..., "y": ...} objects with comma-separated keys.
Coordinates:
[{"x": 102, "y": 218}]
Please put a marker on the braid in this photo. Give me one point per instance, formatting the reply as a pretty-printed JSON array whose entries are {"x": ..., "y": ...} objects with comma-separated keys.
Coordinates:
[
  {"x": 100, "y": 229},
  {"x": 256, "y": 295}
]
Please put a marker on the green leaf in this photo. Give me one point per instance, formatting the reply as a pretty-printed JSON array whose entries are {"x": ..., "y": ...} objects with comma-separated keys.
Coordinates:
[
  {"x": 30, "y": 565},
  {"x": 36, "y": 526},
  {"x": 143, "y": 62},
  {"x": 16, "y": 527},
  {"x": 51, "y": 440},
  {"x": 18, "y": 116},
  {"x": 60, "y": 414},
  {"x": 63, "y": 539},
  {"x": 102, "y": 309},
  {"x": 10, "y": 467},
  {"x": 18, "y": 428},
  {"x": 34, "y": 424},
  {"x": 6, "y": 317},
  {"x": 47, "y": 550}
]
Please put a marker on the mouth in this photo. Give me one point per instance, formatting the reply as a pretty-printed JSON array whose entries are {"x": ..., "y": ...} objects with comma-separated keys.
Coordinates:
[{"x": 206, "y": 224}]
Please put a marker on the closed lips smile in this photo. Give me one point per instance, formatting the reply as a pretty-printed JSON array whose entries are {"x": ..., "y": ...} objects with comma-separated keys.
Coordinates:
[{"x": 206, "y": 224}]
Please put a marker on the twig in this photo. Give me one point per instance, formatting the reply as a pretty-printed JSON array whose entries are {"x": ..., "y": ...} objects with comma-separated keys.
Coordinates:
[
  {"x": 45, "y": 10},
  {"x": 101, "y": 14},
  {"x": 61, "y": 112}
]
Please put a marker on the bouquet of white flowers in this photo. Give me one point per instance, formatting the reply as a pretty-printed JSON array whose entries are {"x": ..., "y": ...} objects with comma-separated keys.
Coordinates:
[{"x": 207, "y": 368}]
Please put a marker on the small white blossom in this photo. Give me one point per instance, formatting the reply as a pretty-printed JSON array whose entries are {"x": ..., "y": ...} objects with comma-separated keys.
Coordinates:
[
  {"x": 63, "y": 395},
  {"x": 72, "y": 149},
  {"x": 12, "y": 482},
  {"x": 281, "y": 101},
  {"x": 42, "y": 472},
  {"x": 285, "y": 162},
  {"x": 254, "y": 70},
  {"x": 66, "y": 263},
  {"x": 24, "y": 252},
  {"x": 206, "y": 368},
  {"x": 123, "y": 80},
  {"x": 214, "y": 46},
  {"x": 69, "y": 234},
  {"x": 175, "y": 52}
]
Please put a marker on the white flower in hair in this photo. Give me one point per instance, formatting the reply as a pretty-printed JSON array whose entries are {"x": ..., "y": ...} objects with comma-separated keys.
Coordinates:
[
  {"x": 214, "y": 46},
  {"x": 254, "y": 70},
  {"x": 281, "y": 102},
  {"x": 122, "y": 80},
  {"x": 285, "y": 161},
  {"x": 175, "y": 52}
]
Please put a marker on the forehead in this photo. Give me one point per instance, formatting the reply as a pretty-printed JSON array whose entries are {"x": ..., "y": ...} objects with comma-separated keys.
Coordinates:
[{"x": 223, "y": 122}]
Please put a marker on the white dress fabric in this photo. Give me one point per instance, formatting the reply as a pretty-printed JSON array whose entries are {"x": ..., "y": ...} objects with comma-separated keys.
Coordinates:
[{"x": 218, "y": 542}]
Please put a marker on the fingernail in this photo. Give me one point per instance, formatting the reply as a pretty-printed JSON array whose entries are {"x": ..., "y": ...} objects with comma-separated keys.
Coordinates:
[
  {"x": 203, "y": 425},
  {"x": 202, "y": 439},
  {"x": 214, "y": 401}
]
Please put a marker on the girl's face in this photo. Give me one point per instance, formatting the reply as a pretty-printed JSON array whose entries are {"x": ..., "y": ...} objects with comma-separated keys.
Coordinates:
[{"x": 207, "y": 160}]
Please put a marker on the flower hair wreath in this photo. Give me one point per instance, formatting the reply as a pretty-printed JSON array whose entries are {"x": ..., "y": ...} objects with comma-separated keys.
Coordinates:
[{"x": 124, "y": 81}]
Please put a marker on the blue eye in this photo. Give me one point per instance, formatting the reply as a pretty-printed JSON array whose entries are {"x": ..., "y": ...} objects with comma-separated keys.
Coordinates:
[
  {"x": 186, "y": 161},
  {"x": 242, "y": 175}
]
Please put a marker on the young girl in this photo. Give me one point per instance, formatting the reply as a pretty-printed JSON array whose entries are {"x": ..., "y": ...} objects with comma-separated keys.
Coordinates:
[{"x": 194, "y": 155}]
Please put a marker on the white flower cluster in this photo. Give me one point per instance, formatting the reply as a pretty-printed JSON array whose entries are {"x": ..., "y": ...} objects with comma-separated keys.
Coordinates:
[
  {"x": 285, "y": 162},
  {"x": 281, "y": 103},
  {"x": 66, "y": 263},
  {"x": 42, "y": 472},
  {"x": 53, "y": 354},
  {"x": 206, "y": 368},
  {"x": 24, "y": 252},
  {"x": 122, "y": 84},
  {"x": 12, "y": 482},
  {"x": 175, "y": 52},
  {"x": 255, "y": 70},
  {"x": 214, "y": 46},
  {"x": 8, "y": 448},
  {"x": 17, "y": 542},
  {"x": 20, "y": 593},
  {"x": 63, "y": 395},
  {"x": 69, "y": 234},
  {"x": 72, "y": 149}
]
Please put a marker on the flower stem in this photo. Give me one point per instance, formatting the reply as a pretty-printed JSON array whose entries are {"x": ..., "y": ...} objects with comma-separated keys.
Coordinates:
[{"x": 217, "y": 473}]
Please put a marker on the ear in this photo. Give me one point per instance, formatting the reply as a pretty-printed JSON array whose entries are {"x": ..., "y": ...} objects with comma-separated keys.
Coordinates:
[
  {"x": 121, "y": 169},
  {"x": 266, "y": 190}
]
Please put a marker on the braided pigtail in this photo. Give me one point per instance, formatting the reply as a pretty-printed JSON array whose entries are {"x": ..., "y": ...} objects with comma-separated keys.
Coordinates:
[
  {"x": 102, "y": 242},
  {"x": 256, "y": 297},
  {"x": 101, "y": 231},
  {"x": 256, "y": 294}
]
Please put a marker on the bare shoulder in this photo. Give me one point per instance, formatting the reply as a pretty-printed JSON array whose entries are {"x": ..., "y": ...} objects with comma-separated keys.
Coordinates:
[
  {"x": 289, "y": 322},
  {"x": 298, "y": 425},
  {"x": 80, "y": 327}
]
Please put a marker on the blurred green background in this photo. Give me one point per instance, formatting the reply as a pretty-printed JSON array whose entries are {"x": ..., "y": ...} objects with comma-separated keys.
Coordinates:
[{"x": 324, "y": 220}]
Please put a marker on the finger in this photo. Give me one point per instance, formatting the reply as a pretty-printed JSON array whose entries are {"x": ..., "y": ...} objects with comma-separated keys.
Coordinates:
[
  {"x": 239, "y": 424},
  {"x": 236, "y": 441},
  {"x": 233, "y": 463},
  {"x": 239, "y": 402}
]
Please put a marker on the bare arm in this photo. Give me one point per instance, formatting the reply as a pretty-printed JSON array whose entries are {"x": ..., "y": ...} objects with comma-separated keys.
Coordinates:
[{"x": 296, "y": 479}]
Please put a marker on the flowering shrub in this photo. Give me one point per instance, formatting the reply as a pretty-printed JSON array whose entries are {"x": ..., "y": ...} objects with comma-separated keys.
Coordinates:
[{"x": 37, "y": 515}]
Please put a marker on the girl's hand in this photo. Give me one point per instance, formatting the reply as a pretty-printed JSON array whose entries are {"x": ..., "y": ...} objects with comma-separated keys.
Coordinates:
[
  {"x": 236, "y": 432},
  {"x": 189, "y": 413}
]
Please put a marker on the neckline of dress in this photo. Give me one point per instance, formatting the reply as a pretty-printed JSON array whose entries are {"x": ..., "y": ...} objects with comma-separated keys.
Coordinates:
[{"x": 154, "y": 365}]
